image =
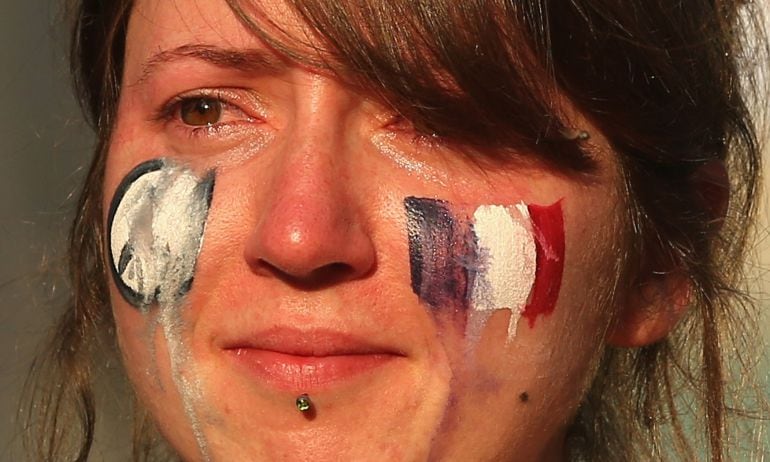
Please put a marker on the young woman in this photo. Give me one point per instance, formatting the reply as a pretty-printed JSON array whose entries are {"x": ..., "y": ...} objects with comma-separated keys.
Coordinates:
[{"x": 400, "y": 230}]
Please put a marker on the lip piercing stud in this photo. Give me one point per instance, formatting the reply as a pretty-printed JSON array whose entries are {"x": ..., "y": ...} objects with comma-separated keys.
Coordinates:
[{"x": 303, "y": 403}]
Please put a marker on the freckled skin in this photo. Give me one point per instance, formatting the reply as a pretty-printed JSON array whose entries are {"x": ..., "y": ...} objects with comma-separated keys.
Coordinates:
[{"x": 307, "y": 229}]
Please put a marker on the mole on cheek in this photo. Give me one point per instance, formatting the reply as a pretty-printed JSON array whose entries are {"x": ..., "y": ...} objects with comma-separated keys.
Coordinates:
[{"x": 155, "y": 231}]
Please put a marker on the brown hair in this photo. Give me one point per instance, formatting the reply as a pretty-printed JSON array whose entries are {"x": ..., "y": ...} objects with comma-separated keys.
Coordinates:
[{"x": 661, "y": 80}]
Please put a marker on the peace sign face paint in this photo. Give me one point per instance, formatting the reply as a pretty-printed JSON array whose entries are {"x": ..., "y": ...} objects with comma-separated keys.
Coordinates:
[
  {"x": 492, "y": 257},
  {"x": 156, "y": 223}
]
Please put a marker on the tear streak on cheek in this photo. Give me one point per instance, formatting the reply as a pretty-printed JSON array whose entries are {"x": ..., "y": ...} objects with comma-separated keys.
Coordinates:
[
  {"x": 155, "y": 226},
  {"x": 494, "y": 257}
]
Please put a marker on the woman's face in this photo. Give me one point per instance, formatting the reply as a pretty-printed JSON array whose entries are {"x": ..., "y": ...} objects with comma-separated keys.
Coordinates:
[{"x": 274, "y": 233}]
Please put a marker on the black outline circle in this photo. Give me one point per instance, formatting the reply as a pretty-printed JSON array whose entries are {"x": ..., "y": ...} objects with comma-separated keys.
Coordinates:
[{"x": 131, "y": 296}]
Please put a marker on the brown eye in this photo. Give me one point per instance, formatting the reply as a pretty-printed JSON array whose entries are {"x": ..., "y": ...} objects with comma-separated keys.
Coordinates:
[{"x": 201, "y": 111}]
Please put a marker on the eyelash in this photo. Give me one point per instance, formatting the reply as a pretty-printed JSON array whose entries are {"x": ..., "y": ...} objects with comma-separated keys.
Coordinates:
[
  {"x": 401, "y": 124},
  {"x": 170, "y": 113}
]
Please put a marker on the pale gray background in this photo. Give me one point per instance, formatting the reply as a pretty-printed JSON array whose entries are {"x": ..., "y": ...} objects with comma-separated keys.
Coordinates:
[{"x": 44, "y": 147}]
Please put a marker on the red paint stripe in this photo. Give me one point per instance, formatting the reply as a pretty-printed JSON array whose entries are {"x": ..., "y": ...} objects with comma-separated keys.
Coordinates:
[{"x": 548, "y": 228}]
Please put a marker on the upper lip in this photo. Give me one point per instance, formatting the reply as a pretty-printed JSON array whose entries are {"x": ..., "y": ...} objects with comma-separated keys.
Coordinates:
[{"x": 314, "y": 342}]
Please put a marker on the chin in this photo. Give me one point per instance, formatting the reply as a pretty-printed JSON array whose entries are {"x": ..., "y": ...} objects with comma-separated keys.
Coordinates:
[{"x": 236, "y": 400}]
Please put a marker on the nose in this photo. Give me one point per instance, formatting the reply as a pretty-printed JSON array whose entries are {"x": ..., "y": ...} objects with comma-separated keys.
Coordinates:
[{"x": 313, "y": 231}]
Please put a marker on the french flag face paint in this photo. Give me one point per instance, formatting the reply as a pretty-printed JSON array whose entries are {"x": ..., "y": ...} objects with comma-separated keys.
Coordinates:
[{"x": 493, "y": 257}]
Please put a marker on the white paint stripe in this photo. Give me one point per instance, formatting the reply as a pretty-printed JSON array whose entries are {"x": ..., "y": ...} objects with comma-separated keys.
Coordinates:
[{"x": 508, "y": 260}]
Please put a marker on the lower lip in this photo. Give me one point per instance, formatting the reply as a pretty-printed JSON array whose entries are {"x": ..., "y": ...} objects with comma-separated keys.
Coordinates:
[{"x": 306, "y": 373}]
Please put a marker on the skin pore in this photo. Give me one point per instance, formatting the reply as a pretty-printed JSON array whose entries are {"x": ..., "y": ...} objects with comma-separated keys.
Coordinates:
[{"x": 303, "y": 282}]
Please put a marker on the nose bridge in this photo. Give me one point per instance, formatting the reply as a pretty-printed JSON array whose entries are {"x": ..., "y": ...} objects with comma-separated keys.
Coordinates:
[
  {"x": 313, "y": 150},
  {"x": 323, "y": 108},
  {"x": 311, "y": 229}
]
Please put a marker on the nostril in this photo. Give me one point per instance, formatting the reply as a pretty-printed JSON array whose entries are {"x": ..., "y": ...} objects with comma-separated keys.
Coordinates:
[
  {"x": 335, "y": 268},
  {"x": 331, "y": 273},
  {"x": 317, "y": 279},
  {"x": 311, "y": 241}
]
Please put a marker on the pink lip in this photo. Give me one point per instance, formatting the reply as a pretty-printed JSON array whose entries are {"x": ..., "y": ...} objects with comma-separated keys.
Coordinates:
[{"x": 303, "y": 361}]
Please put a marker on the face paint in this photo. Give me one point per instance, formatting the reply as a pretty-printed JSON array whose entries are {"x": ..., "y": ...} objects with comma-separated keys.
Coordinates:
[
  {"x": 442, "y": 254},
  {"x": 155, "y": 225},
  {"x": 498, "y": 257},
  {"x": 505, "y": 241},
  {"x": 548, "y": 228}
]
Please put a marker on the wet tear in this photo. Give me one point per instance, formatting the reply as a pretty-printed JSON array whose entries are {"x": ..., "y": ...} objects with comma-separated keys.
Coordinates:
[
  {"x": 493, "y": 257},
  {"x": 155, "y": 226}
]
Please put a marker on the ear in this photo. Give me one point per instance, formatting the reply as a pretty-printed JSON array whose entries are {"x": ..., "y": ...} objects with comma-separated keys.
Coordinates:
[
  {"x": 655, "y": 307},
  {"x": 651, "y": 311}
]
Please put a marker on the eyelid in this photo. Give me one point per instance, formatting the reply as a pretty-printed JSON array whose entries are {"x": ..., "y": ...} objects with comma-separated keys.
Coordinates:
[
  {"x": 240, "y": 99},
  {"x": 398, "y": 123}
]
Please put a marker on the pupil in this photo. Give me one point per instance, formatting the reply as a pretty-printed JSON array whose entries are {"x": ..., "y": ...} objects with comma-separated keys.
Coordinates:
[{"x": 201, "y": 111}]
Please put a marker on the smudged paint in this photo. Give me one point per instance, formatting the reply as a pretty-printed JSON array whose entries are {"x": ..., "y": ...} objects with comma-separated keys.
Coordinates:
[
  {"x": 156, "y": 223},
  {"x": 442, "y": 254},
  {"x": 497, "y": 257},
  {"x": 183, "y": 372}
]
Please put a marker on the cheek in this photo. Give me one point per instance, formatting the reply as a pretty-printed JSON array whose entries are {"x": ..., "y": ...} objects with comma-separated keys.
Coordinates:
[
  {"x": 147, "y": 363},
  {"x": 137, "y": 342},
  {"x": 478, "y": 270},
  {"x": 155, "y": 230},
  {"x": 474, "y": 261}
]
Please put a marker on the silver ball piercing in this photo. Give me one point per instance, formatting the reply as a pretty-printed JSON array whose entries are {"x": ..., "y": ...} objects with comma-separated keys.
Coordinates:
[{"x": 303, "y": 403}]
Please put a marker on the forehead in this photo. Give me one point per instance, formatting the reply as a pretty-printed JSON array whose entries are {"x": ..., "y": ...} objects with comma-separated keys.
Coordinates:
[
  {"x": 408, "y": 78},
  {"x": 156, "y": 27}
]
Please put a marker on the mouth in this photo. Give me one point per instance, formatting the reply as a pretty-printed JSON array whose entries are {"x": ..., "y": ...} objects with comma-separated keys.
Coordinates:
[{"x": 301, "y": 361}]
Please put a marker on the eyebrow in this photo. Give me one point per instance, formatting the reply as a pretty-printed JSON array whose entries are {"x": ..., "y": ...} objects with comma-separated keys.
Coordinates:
[{"x": 245, "y": 60}]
